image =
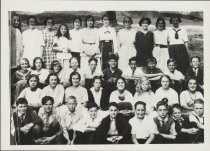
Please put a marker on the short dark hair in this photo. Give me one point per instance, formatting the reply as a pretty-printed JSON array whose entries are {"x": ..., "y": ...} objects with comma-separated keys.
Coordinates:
[
  {"x": 130, "y": 19},
  {"x": 55, "y": 62},
  {"x": 171, "y": 60},
  {"x": 97, "y": 77},
  {"x": 152, "y": 59},
  {"x": 89, "y": 17},
  {"x": 132, "y": 59},
  {"x": 143, "y": 19},
  {"x": 104, "y": 15},
  {"x": 52, "y": 74},
  {"x": 33, "y": 76},
  {"x": 199, "y": 59},
  {"x": 45, "y": 21},
  {"x": 121, "y": 78},
  {"x": 113, "y": 104},
  {"x": 161, "y": 19},
  {"x": 21, "y": 101},
  {"x": 45, "y": 99},
  {"x": 198, "y": 101},
  {"x": 34, "y": 17},
  {"x": 77, "y": 18},
  {"x": 91, "y": 105},
  {"x": 93, "y": 59},
  {"x": 175, "y": 16},
  {"x": 163, "y": 102},
  {"x": 34, "y": 61},
  {"x": 177, "y": 106},
  {"x": 140, "y": 103},
  {"x": 72, "y": 74},
  {"x": 113, "y": 56}
]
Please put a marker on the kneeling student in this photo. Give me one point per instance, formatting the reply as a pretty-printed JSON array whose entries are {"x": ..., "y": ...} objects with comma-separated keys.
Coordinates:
[
  {"x": 114, "y": 129},
  {"x": 165, "y": 124},
  {"x": 143, "y": 129}
]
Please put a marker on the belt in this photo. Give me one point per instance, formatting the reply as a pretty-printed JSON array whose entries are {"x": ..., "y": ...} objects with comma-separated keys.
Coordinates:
[
  {"x": 107, "y": 41},
  {"x": 161, "y": 46},
  {"x": 89, "y": 43}
]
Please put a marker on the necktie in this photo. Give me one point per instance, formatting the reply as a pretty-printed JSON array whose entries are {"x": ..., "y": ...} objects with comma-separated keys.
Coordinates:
[
  {"x": 113, "y": 129},
  {"x": 133, "y": 71},
  {"x": 176, "y": 33},
  {"x": 22, "y": 117},
  {"x": 162, "y": 123}
]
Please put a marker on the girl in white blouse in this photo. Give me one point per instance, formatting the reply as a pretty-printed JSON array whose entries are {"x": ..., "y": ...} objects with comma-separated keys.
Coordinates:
[
  {"x": 145, "y": 94},
  {"x": 62, "y": 45},
  {"x": 32, "y": 93},
  {"x": 188, "y": 96},
  {"x": 166, "y": 92},
  {"x": 38, "y": 69},
  {"x": 90, "y": 42},
  {"x": 108, "y": 41}
]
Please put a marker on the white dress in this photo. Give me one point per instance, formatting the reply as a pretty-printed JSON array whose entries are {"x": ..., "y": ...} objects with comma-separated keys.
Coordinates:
[
  {"x": 161, "y": 54},
  {"x": 32, "y": 42},
  {"x": 126, "y": 48},
  {"x": 89, "y": 46},
  {"x": 63, "y": 44}
]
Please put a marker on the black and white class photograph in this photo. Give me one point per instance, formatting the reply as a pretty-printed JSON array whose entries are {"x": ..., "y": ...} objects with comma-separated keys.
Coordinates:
[{"x": 106, "y": 77}]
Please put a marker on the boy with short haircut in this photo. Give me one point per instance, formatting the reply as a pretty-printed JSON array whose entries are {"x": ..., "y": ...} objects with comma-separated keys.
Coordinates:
[
  {"x": 195, "y": 71},
  {"x": 28, "y": 124},
  {"x": 198, "y": 119},
  {"x": 165, "y": 124},
  {"x": 114, "y": 129},
  {"x": 132, "y": 74},
  {"x": 69, "y": 119},
  {"x": 143, "y": 128},
  {"x": 153, "y": 73},
  {"x": 186, "y": 131},
  {"x": 111, "y": 73}
]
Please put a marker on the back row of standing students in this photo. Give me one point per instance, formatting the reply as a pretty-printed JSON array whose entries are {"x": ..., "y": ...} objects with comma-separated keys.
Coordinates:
[{"x": 100, "y": 43}]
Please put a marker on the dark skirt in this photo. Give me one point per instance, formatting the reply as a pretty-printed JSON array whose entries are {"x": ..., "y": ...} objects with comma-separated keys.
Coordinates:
[
  {"x": 106, "y": 48},
  {"x": 180, "y": 54}
]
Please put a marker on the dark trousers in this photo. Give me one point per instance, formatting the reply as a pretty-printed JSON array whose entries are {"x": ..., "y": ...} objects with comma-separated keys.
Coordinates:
[
  {"x": 85, "y": 138},
  {"x": 161, "y": 140},
  {"x": 141, "y": 141},
  {"x": 28, "y": 138}
]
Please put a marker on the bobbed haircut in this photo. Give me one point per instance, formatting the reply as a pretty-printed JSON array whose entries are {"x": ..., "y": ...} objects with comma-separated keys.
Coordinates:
[
  {"x": 89, "y": 17},
  {"x": 45, "y": 99},
  {"x": 121, "y": 78},
  {"x": 160, "y": 19},
  {"x": 49, "y": 18},
  {"x": 33, "y": 76},
  {"x": 140, "y": 103},
  {"x": 93, "y": 59},
  {"x": 152, "y": 59},
  {"x": 104, "y": 15},
  {"x": 128, "y": 17},
  {"x": 73, "y": 74},
  {"x": 25, "y": 59},
  {"x": 34, "y": 61},
  {"x": 21, "y": 101},
  {"x": 143, "y": 19},
  {"x": 97, "y": 78},
  {"x": 77, "y": 18},
  {"x": 54, "y": 63},
  {"x": 175, "y": 16},
  {"x": 34, "y": 17},
  {"x": 113, "y": 57},
  {"x": 50, "y": 75},
  {"x": 171, "y": 60}
]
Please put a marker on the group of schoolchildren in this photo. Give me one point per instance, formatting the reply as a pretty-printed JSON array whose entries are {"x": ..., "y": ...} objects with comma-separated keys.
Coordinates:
[{"x": 99, "y": 88}]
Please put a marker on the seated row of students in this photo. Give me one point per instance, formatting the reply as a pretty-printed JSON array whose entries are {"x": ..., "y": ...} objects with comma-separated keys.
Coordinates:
[
  {"x": 73, "y": 127},
  {"x": 142, "y": 88}
]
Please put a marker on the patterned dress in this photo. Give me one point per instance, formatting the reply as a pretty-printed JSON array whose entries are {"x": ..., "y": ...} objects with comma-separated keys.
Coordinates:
[{"x": 48, "y": 55}]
